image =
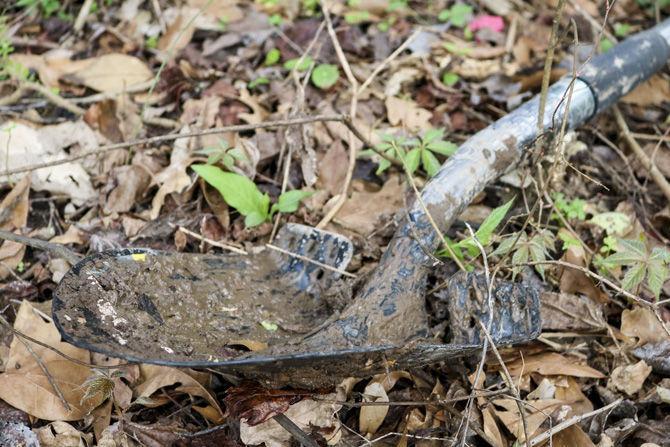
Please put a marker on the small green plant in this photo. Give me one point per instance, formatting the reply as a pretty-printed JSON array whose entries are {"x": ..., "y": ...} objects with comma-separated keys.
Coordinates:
[
  {"x": 605, "y": 45},
  {"x": 621, "y": 29},
  {"x": 275, "y": 19},
  {"x": 395, "y": 5},
  {"x": 272, "y": 57},
  {"x": 535, "y": 248},
  {"x": 642, "y": 264},
  {"x": 571, "y": 209},
  {"x": 355, "y": 17},
  {"x": 151, "y": 42},
  {"x": 484, "y": 235},
  {"x": 455, "y": 49},
  {"x": 222, "y": 153},
  {"x": 450, "y": 79},
  {"x": 414, "y": 152},
  {"x": 261, "y": 80},
  {"x": 325, "y": 76},
  {"x": 293, "y": 63},
  {"x": 458, "y": 14},
  {"x": 46, "y": 7},
  {"x": 242, "y": 194},
  {"x": 310, "y": 7}
]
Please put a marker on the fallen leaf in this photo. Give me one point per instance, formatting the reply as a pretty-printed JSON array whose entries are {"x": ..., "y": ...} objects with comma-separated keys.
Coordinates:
[
  {"x": 364, "y": 211},
  {"x": 73, "y": 235},
  {"x": 552, "y": 364},
  {"x": 110, "y": 73},
  {"x": 654, "y": 91},
  {"x": 156, "y": 377},
  {"x": 62, "y": 434},
  {"x": 568, "y": 312},
  {"x": 27, "y": 148},
  {"x": 173, "y": 178},
  {"x": 538, "y": 412},
  {"x": 256, "y": 404},
  {"x": 408, "y": 114},
  {"x": 333, "y": 168},
  {"x": 131, "y": 182},
  {"x": 25, "y": 386},
  {"x": 575, "y": 281},
  {"x": 630, "y": 378},
  {"x": 372, "y": 416},
  {"x": 572, "y": 436},
  {"x": 642, "y": 324},
  {"x": 307, "y": 414},
  {"x": 14, "y": 216}
]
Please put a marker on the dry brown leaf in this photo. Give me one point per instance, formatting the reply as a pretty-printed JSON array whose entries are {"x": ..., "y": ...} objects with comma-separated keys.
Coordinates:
[
  {"x": 643, "y": 324},
  {"x": 552, "y": 364},
  {"x": 62, "y": 434},
  {"x": 489, "y": 421},
  {"x": 156, "y": 377},
  {"x": 372, "y": 416},
  {"x": 654, "y": 91},
  {"x": 28, "y": 146},
  {"x": 14, "y": 216},
  {"x": 408, "y": 114},
  {"x": 178, "y": 34},
  {"x": 131, "y": 183},
  {"x": 173, "y": 178},
  {"x": 307, "y": 414},
  {"x": 539, "y": 411},
  {"x": 575, "y": 281},
  {"x": 110, "y": 73},
  {"x": 572, "y": 436},
  {"x": 364, "y": 211},
  {"x": 333, "y": 168},
  {"x": 571, "y": 394},
  {"x": 568, "y": 312},
  {"x": 73, "y": 235},
  {"x": 24, "y": 384},
  {"x": 630, "y": 378}
]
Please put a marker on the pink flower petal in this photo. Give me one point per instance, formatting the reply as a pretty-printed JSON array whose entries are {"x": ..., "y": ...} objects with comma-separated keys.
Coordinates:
[{"x": 494, "y": 23}]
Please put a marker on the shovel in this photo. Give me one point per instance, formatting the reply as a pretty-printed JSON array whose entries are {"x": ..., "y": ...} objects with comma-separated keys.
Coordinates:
[{"x": 271, "y": 315}]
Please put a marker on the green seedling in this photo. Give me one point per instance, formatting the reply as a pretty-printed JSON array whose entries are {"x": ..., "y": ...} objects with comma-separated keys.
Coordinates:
[
  {"x": 325, "y": 76},
  {"x": 272, "y": 57},
  {"x": 450, "y": 79},
  {"x": 222, "y": 153},
  {"x": 458, "y": 14},
  {"x": 241, "y": 193},
  {"x": 535, "y": 248},
  {"x": 571, "y": 209},
  {"x": 302, "y": 66}
]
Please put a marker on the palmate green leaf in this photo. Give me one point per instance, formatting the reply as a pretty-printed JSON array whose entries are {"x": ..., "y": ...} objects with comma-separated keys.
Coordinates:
[
  {"x": 432, "y": 135},
  {"x": 239, "y": 192},
  {"x": 612, "y": 222},
  {"x": 657, "y": 274},
  {"x": 628, "y": 252},
  {"x": 486, "y": 229},
  {"x": 430, "y": 163},
  {"x": 442, "y": 147},
  {"x": 634, "y": 276},
  {"x": 412, "y": 160},
  {"x": 289, "y": 201}
]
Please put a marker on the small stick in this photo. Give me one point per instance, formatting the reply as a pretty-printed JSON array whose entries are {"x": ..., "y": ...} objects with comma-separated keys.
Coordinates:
[
  {"x": 312, "y": 261},
  {"x": 510, "y": 383},
  {"x": 83, "y": 14},
  {"x": 52, "y": 349},
  {"x": 55, "y": 249},
  {"x": 291, "y": 427},
  {"x": 648, "y": 164},
  {"x": 47, "y": 374},
  {"x": 176, "y": 136},
  {"x": 553, "y": 41},
  {"x": 53, "y": 97},
  {"x": 159, "y": 15},
  {"x": 570, "y": 422},
  {"x": 210, "y": 241}
]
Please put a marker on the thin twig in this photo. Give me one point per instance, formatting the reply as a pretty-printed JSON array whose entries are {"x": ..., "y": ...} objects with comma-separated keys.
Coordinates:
[
  {"x": 47, "y": 374},
  {"x": 58, "y": 250},
  {"x": 210, "y": 241},
  {"x": 155, "y": 4},
  {"x": 53, "y": 97},
  {"x": 291, "y": 427},
  {"x": 83, "y": 14},
  {"x": 642, "y": 157},
  {"x": 176, "y": 136},
  {"x": 510, "y": 383},
  {"x": 546, "y": 75},
  {"x": 570, "y": 422},
  {"x": 311, "y": 261}
]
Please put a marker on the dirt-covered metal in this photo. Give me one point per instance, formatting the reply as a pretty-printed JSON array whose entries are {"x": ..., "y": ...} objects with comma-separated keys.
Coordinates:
[{"x": 271, "y": 316}]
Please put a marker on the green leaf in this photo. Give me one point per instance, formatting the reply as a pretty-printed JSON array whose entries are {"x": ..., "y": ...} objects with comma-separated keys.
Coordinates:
[
  {"x": 354, "y": 17},
  {"x": 239, "y": 192},
  {"x": 455, "y": 49},
  {"x": 289, "y": 201},
  {"x": 442, "y": 147},
  {"x": 293, "y": 63},
  {"x": 657, "y": 274},
  {"x": 606, "y": 45},
  {"x": 262, "y": 80},
  {"x": 486, "y": 229},
  {"x": 272, "y": 57},
  {"x": 269, "y": 326},
  {"x": 613, "y": 223},
  {"x": 325, "y": 76},
  {"x": 459, "y": 14},
  {"x": 432, "y": 135},
  {"x": 633, "y": 277},
  {"x": 449, "y": 78},
  {"x": 430, "y": 163},
  {"x": 412, "y": 160},
  {"x": 275, "y": 19},
  {"x": 621, "y": 29},
  {"x": 384, "y": 164}
]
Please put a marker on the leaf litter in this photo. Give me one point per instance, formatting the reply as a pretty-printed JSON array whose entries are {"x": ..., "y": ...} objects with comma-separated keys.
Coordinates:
[{"x": 141, "y": 69}]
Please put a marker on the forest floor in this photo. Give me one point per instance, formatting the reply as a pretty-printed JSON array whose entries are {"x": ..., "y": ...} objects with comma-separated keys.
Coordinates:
[{"x": 93, "y": 93}]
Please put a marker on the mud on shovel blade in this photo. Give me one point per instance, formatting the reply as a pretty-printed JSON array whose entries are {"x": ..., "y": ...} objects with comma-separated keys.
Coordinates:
[{"x": 185, "y": 309}]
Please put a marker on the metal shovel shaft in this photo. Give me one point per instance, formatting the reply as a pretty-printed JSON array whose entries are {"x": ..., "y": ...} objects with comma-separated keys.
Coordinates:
[{"x": 390, "y": 307}]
